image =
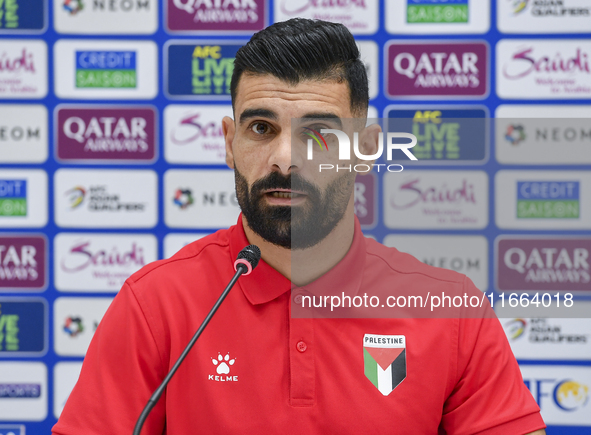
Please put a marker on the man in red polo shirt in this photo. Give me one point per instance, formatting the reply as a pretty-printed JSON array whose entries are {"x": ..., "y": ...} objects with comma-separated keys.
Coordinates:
[{"x": 263, "y": 365}]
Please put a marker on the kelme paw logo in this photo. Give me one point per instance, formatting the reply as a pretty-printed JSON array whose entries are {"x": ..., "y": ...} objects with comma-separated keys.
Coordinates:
[{"x": 222, "y": 363}]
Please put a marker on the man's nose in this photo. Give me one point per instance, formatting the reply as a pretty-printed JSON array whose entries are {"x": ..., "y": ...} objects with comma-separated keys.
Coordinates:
[{"x": 282, "y": 156}]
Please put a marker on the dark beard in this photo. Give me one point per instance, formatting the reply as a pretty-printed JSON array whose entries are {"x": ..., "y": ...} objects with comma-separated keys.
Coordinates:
[{"x": 297, "y": 227}]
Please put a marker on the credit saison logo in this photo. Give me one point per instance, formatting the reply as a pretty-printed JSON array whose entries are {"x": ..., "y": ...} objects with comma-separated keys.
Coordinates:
[
  {"x": 97, "y": 198},
  {"x": 344, "y": 149},
  {"x": 548, "y": 199},
  {"x": 13, "y": 197},
  {"x": 211, "y": 71},
  {"x": 105, "y": 69},
  {"x": 437, "y": 11},
  {"x": 20, "y": 391}
]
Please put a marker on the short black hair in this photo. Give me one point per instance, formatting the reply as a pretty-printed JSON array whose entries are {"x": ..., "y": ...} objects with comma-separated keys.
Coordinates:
[{"x": 301, "y": 49}]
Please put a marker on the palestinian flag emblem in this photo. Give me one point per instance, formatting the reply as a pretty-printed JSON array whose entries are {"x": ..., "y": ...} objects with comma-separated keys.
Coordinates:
[{"x": 384, "y": 358}]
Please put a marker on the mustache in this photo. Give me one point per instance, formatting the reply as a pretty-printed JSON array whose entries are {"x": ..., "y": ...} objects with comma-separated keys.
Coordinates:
[{"x": 275, "y": 180}]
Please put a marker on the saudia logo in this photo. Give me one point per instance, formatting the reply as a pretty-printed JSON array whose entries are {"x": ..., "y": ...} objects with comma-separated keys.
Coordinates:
[
  {"x": 22, "y": 64},
  {"x": 106, "y": 69},
  {"x": 216, "y": 11},
  {"x": 291, "y": 7},
  {"x": 212, "y": 73},
  {"x": 524, "y": 62},
  {"x": 437, "y": 11},
  {"x": 548, "y": 199},
  {"x": 196, "y": 129},
  {"x": 434, "y": 70},
  {"x": 81, "y": 256},
  {"x": 344, "y": 147},
  {"x": 222, "y": 368},
  {"x": 433, "y": 195}
]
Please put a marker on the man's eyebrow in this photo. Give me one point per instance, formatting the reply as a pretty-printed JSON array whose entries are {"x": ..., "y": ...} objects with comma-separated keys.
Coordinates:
[
  {"x": 255, "y": 113},
  {"x": 323, "y": 115}
]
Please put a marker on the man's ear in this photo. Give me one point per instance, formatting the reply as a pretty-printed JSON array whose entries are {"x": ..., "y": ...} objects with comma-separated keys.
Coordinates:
[
  {"x": 369, "y": 141},
  {"x": 229, "y": 129}
]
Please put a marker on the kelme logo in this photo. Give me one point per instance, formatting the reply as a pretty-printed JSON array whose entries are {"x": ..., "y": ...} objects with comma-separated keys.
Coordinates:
[{"x": 105, "y": 69}]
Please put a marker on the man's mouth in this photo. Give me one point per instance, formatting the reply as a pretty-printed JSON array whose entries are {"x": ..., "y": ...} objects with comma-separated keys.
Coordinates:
[{"x": 276, "y": 194}]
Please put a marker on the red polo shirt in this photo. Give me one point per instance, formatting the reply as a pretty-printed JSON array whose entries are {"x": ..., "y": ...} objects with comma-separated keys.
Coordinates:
[{"x": 257, "y": 370}]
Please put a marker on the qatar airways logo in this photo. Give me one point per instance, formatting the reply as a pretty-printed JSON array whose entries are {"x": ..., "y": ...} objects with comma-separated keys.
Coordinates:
[
  {"x": 318, "y": 137},
  {"x": 291, "y": 7},
  {"x": 437, "y": 69},
  {"x": 412, "y": 194},
  {"x": 525, "y": 62}
]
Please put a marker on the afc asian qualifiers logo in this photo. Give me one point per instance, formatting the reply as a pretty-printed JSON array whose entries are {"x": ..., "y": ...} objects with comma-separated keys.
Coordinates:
[
  {"x": 384, "y": 358},
  {"x": 222, "y": 366}
]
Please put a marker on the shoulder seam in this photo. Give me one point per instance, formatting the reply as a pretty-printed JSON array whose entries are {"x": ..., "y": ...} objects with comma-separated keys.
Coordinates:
[
  {"x": 415, "y": 271},
  {"x": 173, "y": 260}
]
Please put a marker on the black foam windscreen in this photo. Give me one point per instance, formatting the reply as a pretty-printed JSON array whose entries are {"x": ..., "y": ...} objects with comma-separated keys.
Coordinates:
[{"x": 250, "y": 253}]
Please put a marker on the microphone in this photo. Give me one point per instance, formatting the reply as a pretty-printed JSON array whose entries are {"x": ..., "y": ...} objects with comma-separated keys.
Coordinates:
[{"x": 246, "y": 261}]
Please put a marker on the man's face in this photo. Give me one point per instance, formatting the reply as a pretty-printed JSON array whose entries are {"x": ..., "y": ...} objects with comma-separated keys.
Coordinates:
[{"x": 282, "y": 195}]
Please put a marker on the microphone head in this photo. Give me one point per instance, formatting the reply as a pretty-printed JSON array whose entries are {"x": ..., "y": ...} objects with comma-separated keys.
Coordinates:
[{"x": 249, "y": 257}]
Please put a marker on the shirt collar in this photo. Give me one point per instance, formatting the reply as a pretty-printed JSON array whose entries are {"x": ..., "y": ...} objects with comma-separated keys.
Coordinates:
[{"x": 265, "y": 284}]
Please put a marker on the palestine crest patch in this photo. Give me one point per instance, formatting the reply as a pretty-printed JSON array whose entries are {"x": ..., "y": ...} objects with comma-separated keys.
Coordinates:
[{"x": 384, "y": 358}]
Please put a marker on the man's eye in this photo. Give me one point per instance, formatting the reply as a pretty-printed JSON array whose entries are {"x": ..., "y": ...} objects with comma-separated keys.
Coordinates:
[{"x": 260, "y": 128}]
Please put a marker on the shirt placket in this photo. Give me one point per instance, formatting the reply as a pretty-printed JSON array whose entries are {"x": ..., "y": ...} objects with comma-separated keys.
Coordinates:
[{"x": 301, "y": 358}]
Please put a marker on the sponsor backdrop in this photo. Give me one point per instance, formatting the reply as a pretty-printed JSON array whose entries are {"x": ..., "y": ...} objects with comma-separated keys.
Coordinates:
[{"x": 112, "y": 156}]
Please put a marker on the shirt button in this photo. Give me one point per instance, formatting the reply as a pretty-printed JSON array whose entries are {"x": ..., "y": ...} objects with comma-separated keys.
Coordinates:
[
  {"x": 301, "y": 346},
  {"x": 298, "y": 299}
]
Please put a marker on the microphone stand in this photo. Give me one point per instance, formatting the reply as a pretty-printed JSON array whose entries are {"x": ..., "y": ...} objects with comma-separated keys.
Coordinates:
[{"x": 240, "y": 269}]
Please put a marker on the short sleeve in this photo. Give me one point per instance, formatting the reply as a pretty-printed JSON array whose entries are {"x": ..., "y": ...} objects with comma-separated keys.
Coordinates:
[
  {"x": 121, "y": 370},
  {"x": 490, "y": 396}
]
